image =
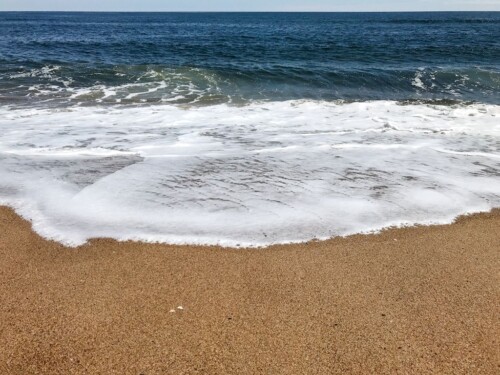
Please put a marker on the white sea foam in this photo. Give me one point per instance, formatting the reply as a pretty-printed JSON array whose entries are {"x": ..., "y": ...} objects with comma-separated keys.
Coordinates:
[
  {"x": 255, "y": 175},
  {"x": 417, "y": 80},
  {"x": 169, "y": 85}
]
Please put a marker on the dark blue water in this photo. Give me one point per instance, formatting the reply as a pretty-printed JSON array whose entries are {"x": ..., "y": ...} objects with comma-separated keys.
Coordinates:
[{"x": 213, "y": 58}]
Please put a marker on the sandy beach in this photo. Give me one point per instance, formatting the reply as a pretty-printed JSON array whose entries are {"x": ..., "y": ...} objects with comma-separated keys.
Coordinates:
[{"x": 421, "y": 300}]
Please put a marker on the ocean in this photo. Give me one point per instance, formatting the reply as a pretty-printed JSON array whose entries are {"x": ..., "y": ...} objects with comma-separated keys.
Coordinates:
[{"x": 247, "y": 129}]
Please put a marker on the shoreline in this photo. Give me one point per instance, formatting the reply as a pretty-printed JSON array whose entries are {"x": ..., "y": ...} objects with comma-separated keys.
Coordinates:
[
  {"x": 421, "y": 299},
  {"x": 370, "y": 233}
]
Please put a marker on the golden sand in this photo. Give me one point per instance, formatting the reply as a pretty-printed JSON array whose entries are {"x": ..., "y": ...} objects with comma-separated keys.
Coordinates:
[{"x": 416, "y": 301}]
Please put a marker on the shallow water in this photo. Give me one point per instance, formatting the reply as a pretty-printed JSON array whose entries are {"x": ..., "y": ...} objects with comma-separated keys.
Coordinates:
[{"x": 253, "y": 175}]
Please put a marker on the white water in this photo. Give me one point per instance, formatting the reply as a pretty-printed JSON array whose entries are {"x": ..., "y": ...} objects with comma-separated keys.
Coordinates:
[{"x": 250, "y": 176}]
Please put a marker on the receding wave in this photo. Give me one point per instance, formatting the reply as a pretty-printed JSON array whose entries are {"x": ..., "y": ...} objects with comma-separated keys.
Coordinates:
[{"x": 248, "y": 175}]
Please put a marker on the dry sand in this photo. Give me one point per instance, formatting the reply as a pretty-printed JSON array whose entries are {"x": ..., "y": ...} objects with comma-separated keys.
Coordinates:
[{"x": 415, "y": 301}]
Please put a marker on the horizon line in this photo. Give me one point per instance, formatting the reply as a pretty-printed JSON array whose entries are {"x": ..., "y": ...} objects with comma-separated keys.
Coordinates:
[{"x": 247, "y": 11}]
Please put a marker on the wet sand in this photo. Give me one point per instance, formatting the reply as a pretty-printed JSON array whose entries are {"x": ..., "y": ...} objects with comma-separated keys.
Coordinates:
[{"x": 416, "y": 301}]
